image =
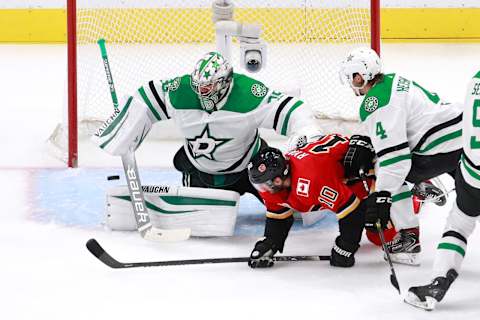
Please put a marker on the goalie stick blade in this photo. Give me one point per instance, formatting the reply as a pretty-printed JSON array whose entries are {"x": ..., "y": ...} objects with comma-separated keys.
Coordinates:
[
  {"x": 94, "y": 247},
  {"x": 166, "y": 235}
]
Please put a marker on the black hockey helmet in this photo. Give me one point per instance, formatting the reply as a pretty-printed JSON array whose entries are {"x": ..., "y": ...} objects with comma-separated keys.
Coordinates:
[{"x": 265, "y": 166}]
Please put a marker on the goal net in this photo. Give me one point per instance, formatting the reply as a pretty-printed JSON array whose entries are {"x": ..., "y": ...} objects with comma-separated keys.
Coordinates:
[{"x": 306, "y": 41}]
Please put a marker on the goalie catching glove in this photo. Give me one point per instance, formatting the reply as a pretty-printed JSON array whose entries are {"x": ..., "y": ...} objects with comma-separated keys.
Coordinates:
[{"x": 359, "y": 156}]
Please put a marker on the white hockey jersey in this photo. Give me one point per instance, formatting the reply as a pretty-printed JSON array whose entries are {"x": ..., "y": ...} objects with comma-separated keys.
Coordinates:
[
  {"x": 402, "y": 118},
  {"x": 218, "y": 142},
  {"x": 470, "y": 161}
]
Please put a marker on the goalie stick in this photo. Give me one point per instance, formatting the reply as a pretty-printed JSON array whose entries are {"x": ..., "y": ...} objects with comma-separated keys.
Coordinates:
[
  {"x": 94, "y": 247},
  {"x": 144, "y": 226}
]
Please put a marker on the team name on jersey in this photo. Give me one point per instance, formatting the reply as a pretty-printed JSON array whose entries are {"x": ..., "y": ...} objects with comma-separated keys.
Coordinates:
[
  {"x": 299, "y": 154},
  {"x": 403, "y": 85},
  {"x": 476, "y": 89}
]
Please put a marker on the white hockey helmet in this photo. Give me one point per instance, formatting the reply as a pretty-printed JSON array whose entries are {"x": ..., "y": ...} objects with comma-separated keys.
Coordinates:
[
  {"x": 211, "y": 80},
  {"x": 363, "y": 61}
]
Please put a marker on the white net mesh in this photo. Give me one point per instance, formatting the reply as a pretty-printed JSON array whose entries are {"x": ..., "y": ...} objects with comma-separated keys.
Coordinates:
[{"x": 160, "y": 39}]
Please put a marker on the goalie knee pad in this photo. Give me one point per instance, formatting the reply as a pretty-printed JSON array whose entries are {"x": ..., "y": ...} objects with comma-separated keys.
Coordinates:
[{"x": 207, "y": 212}]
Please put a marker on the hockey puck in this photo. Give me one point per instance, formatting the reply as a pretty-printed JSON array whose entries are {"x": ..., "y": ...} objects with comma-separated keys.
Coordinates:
[{"x": 113, "y": 178}]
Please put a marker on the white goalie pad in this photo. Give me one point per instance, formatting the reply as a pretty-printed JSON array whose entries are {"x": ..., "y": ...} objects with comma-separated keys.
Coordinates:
[{"x": 207, "y": 212}]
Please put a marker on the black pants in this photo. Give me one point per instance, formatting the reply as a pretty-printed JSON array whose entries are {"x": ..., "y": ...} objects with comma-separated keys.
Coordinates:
[
  {"x": 427, "y": 167},
  {"x": 192, "y": 177},
  {"x": 467, "y": 196}
]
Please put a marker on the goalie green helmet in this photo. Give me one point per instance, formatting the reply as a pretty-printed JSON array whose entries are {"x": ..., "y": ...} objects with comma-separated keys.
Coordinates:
[
  {"x": 363, "y": 61},
  {"x": 211, "y": 80}
]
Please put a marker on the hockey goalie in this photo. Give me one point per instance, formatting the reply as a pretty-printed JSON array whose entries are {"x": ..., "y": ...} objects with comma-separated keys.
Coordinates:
[{"x": 219, "y": 113}]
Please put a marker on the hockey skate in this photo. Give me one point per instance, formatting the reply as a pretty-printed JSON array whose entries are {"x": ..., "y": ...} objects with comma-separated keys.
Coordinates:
[
  {"x": 426, "y": 297},
  {"x": 405, "y": 247},
  {"x": 426, "y": 191}
]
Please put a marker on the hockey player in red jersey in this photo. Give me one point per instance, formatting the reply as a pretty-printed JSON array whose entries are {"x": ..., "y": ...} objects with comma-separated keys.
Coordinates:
[{"x": 312, "y": 178}]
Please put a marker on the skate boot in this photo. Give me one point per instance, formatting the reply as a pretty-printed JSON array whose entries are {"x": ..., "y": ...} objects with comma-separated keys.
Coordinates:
[
  {"x": 426, "y": 191},
  {"x": 426, "y": 297},
  {"x": 405, "y": 247}
]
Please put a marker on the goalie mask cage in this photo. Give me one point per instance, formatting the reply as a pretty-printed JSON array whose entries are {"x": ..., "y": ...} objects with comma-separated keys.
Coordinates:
[{"x": 306, "y": 41}]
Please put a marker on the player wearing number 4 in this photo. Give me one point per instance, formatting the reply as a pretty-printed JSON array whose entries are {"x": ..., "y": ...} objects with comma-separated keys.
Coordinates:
[
  {"x": 417, "y": 136},
  {"x": 309, "y": 180}
]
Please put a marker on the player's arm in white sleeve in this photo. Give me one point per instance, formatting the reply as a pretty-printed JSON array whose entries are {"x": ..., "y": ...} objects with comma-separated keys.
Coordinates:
[
  {"x": 388, "y": 130},
  {"x": 127, "y": 127},
  {"x": 289, "y": 116}
]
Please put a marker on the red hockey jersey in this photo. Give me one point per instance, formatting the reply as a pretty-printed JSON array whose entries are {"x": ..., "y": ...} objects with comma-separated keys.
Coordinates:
[{"x": 317, "y": 181}]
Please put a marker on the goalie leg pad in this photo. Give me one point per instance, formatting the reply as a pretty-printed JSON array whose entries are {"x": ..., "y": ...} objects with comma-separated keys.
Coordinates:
[{"x": 206, "y": 212}]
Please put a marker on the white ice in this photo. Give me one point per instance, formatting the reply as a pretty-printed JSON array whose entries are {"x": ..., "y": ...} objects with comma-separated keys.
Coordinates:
[{"x": 46, "y": 272}]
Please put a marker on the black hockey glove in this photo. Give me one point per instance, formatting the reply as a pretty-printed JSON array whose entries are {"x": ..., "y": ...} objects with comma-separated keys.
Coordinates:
[
  {"x": 342, "y": 254},
  {"x": 378, "y": 207},
  {"x": 360, "y": 155},
  {"x": 262, "y": 254}
]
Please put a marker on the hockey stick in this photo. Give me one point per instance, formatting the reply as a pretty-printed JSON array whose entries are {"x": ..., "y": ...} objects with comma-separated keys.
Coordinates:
[
  {"x": 393, "y": 276},
  {"x": 94, "y": 247},
  {"x": 144, "y": 226}
]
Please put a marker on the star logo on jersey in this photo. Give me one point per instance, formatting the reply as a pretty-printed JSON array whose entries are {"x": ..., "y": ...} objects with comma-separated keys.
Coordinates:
[
  {"x": 371, "y": 104},
  {"x": 303, "y": 186},
  {"x": 205, "y": 145}
]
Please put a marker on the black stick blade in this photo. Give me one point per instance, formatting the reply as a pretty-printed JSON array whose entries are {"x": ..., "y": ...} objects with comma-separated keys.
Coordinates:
[
  {"x": 94, "y": 247},
  {"x": 394, "y": 281}
]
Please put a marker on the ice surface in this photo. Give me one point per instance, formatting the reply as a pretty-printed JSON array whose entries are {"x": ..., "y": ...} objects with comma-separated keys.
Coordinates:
[{"x": 49, "y": 212}]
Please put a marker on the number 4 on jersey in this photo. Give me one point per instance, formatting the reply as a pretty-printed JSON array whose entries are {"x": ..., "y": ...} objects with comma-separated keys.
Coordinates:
[{"x": 380, "y": 131}]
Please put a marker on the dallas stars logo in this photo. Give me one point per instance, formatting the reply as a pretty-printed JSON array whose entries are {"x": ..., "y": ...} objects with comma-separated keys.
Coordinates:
[{"x": 205, "y": 145}]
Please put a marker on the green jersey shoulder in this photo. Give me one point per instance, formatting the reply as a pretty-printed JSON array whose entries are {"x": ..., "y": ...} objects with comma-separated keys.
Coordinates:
[
  {"x": 392, "y": 85},
  {"x": 377, "y": 97},
  {"x": 246, "y": 94},
  {"x": 180, "y": 93}
]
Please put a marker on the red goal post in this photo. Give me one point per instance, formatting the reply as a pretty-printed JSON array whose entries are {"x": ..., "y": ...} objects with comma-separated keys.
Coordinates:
[{"x": 162, "y": 24}]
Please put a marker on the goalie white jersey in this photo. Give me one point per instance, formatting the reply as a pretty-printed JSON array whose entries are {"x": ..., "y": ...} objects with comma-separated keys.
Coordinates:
[
  {"x": 222, "y": 141},
  {"x": 403, "y": 118}
]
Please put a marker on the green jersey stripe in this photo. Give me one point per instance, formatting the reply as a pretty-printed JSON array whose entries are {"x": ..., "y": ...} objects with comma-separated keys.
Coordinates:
[
  {"x": 118, "y": 119},
  {"x": 287, "y": 117},
  {"x": 442, "y": 139},
  {"x": 393, "y": 160},
  {"x": 437, "y": 128},
  {"x": 154, "y": 208},
  {"x": 453, "y": 247},
  {"x": 279, "y": 111},
  {"x": 189, "y": 201},
  {"x": 149, "y": 103},
  {"x": 472, "y": 172},
  {"x": 154, "y": 91},
  {"x": 103, "y": 145}
]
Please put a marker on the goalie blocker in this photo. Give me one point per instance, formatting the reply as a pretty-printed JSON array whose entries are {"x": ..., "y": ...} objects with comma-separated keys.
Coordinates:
[{"x": 205, "y": 211}]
